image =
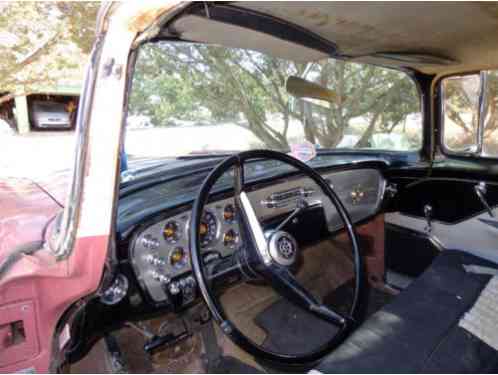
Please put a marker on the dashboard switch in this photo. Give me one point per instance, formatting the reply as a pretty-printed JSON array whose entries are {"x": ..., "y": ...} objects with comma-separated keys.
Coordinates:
[
  {"x": 161, "y": 278},
  {"x": 188, "y": 288},
  {"x": 155, "y": 261},
  {"x": 150, "y": 242}
]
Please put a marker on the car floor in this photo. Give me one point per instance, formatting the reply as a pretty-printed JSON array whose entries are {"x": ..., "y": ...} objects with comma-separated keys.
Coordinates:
[{"x": 326, "y": 270}]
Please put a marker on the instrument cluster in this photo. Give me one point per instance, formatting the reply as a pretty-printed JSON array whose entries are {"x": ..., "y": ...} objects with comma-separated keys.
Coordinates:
[{"x": 160, "y": 253}]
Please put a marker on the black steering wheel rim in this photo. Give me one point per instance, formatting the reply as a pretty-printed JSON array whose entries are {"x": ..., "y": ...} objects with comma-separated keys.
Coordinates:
[{"x": 210, "y": 297}]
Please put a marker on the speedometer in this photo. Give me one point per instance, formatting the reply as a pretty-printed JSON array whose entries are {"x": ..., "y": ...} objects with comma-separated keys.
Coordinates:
[{"x": 208, "y": 229}]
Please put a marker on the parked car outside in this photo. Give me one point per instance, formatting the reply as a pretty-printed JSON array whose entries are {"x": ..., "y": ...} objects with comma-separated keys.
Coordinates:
[{"x": 50, "y": 115}]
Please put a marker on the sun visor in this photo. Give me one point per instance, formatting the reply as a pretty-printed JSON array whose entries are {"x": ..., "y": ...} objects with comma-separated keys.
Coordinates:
[{"x": 201, "y": 29}]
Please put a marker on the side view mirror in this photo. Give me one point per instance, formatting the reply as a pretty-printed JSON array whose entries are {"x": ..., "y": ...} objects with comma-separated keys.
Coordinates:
[{"x": 301, "y": 89}]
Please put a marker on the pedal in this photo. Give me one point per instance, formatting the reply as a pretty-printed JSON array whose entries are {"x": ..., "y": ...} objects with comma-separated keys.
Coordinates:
[
  {"x": 161, "y": 342},
  {"x": 115, "y": 359}
]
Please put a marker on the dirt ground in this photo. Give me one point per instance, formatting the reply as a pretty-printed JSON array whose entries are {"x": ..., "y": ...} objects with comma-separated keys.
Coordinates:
[{"x": 37, "y": 154}]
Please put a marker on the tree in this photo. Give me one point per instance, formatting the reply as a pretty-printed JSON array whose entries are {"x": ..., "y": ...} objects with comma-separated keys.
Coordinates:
[
  {"x": 42, "y": 42},
  {"x": 182, "y": 80}
]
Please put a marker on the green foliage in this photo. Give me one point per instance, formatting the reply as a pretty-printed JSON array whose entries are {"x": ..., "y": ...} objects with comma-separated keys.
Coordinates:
[
  {"x": 186, "y": 81},
  {"x": 42, "y": 42},
  {"x": 80, "y": 18}
]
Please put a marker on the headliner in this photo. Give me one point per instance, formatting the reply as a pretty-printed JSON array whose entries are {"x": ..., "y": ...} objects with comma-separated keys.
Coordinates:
[
  {"x": 438, "y": 38},
  {"x": 464, "y": 35}
]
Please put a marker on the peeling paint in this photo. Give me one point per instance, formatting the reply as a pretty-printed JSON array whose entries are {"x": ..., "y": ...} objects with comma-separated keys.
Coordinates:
[{"x": 146, "y": 15}]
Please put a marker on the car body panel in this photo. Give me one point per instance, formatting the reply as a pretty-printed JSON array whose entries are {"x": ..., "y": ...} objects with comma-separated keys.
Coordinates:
[
  {"x": 26, "y": 210},
  {"x": 56, "y": 185},
  {"x": 46, "y": 288}
]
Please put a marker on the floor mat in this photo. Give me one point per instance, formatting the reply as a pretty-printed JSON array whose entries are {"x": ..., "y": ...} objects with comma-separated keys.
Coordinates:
[
  {"x": 292, "y": 330},
  {"x": 231, "y": 365},
  {"x": 398, "y": 280},
  {"x": 340, "y": 299}
]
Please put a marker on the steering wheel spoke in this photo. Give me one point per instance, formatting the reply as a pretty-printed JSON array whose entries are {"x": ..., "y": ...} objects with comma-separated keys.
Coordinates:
[
  {"x": 252, "y": 225},
  {"x": 247, "y": 216},
  {"x": 285, "y": 284}
]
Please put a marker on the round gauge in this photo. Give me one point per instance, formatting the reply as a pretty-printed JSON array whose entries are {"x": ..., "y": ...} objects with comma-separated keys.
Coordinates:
[
  {"x": 229, "y": 213},
  {"x": 230, "y": 238},
  {"x": 171, "y": 232},
  {"x": 178, "y": 258},
  {"x": 208, "y": 228}
]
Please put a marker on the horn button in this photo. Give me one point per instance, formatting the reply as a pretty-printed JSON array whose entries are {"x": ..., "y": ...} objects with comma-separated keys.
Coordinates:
[{"x": 282, "y": 247}]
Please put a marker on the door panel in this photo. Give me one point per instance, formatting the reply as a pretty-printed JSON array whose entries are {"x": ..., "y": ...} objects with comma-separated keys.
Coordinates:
[
  {"x": 457, "y": 215},
  {"x": 452, "y": 200},
  {"x": 471, "y": 235}
]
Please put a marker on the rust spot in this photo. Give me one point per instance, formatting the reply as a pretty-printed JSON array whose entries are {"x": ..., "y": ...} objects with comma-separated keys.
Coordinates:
[{"x": 146, "y": 16}]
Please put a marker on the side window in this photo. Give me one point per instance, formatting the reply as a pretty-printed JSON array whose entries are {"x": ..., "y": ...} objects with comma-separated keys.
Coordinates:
[
  {"x": 461, "y": 112},
  {"x": 470, "y": 117},
  {"x": 490, "y": 121}
]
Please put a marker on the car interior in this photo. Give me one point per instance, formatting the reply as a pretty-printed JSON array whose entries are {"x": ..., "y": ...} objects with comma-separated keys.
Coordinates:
[{"x": 322, "y": 258}]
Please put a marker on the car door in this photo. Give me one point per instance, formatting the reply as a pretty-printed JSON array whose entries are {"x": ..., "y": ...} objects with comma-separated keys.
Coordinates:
[{"x": 454, "y": 203}]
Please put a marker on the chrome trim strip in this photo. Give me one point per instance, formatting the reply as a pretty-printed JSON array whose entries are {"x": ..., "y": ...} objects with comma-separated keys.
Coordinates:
[
  {"x": 66, "y": 232},
  {"x": 255, "y": 227}
]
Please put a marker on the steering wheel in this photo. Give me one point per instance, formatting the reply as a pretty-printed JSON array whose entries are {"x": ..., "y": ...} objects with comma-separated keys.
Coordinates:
[{"x": 268, "y": 257}]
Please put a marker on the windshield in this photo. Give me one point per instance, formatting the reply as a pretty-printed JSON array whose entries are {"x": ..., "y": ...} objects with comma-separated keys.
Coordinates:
[{"x": 195, "y": 99}]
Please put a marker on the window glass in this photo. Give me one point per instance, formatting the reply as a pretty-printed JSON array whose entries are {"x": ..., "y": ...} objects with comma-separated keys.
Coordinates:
[
  {"x": 189, "y": 98},
  {"x": 461, "y": 112},
  {"x": 490, "y": 131}
]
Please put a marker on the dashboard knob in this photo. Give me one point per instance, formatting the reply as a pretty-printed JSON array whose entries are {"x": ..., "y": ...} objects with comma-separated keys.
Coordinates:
[
  {"x": 191, "y": 281},
  {"x": 174, "y": 288},
  {"x": 116, "y": 292}
]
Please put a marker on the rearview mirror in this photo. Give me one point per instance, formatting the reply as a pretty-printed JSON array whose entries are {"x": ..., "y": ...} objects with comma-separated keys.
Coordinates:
[{"x": 302, "y": 89}]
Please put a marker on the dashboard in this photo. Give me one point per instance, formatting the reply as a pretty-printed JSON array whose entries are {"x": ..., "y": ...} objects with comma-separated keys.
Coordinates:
[{"x": 159, "y": 251}]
